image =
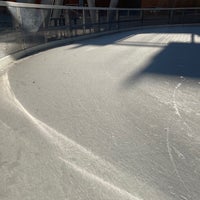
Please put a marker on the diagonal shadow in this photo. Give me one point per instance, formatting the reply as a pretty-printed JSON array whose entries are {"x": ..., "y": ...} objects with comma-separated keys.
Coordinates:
[
  {"x": 177, "y": 59},
  {"x": 122, "y": 36}
]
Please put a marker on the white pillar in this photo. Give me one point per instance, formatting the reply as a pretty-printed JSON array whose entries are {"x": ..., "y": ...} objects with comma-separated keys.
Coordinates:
[{"x": 91, "y": 3}]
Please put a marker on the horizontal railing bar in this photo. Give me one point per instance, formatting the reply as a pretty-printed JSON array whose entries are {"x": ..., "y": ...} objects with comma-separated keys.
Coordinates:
[{"x": 65, "y": 7}]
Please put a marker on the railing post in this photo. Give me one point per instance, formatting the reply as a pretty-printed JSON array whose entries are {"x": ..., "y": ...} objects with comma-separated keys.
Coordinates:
[
  {"x": 19, "y": 25},
  {"x": 117, "y": 19},
  {"x": 68, "y": 22},
  {"x": 83, "y": 21},
  {"x": 142, "y": 17},
  {"x": 108, "y": 20},
  {"x": 183, "y": 16},
  {"x": 170, "y": 16},
  {"x": 18, "y": 21},
  {"x": 97, "y": 21},
  {"x": 44, "y": 25},
  {"x": 75, "y": 22}
]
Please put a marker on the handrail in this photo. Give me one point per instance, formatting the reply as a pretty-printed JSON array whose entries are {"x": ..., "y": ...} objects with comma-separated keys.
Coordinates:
[{"x": 45, "y": 6}]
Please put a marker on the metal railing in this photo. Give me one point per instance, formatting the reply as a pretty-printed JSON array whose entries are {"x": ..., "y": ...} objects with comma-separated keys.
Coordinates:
[{"x": 23, "y": 25}]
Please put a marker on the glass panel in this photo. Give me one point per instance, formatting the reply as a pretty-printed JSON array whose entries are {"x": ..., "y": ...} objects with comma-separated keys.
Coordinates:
[{"x": 23, "y": 28}]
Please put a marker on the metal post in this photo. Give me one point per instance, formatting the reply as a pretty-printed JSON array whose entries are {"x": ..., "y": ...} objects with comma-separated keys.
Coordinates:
[
  {"x": 69, "y": 23},
  {"x": 108, "y": 20},
  {"x": 75, "y": 22},
  {"x": 19, "y": 26},
  {"x": 83, "y": 21},
  {"x": 97, "y": 21},
  {"x": 183, "y": 16},
  {"x": 18, "y": 23},
  {"x": 43, "y": 19},
  {"x": 117, "y": 18},
  {"x": 142, "y": 17},
  {"x": 170, "y": 16},
  {"x": 128, "y": 16},
  {"x": 44, "y": 25}
]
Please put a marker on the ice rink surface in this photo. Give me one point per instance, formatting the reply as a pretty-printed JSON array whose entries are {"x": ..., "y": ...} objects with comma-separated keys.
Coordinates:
[{"x": 111, "y": 118}]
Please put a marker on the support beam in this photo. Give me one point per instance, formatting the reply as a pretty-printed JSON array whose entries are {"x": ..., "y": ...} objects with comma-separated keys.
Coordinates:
[
  {"x": 91, "y": 3},
  {"x": 113, "y": 3}
]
